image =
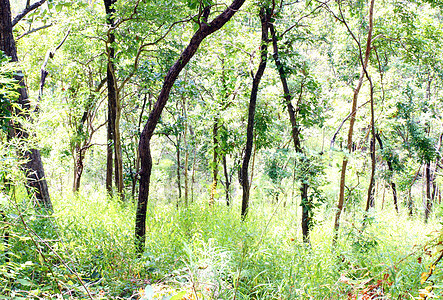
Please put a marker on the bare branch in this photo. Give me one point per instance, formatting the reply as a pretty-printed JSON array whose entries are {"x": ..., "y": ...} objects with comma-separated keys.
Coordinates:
[
  {"x": 33, "y": 30},
  {"x": 342, "y": 123},
  {"x": 49, "y": 54},
  {"x": 301, "y": 18}
]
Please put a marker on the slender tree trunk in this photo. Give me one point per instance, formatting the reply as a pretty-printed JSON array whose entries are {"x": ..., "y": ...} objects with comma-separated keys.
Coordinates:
[
  {"x": 264, "y": 17},
  {"x": 383, "y": 198},
  {"x": 295, "y": 133},
  {"x": 186, "y": 171},
  {"x": 428, "y": 203},
  {"x": 78, "y": 168},
  {"x": 214, "y": 165},
  {"x": 33, "y": 167},
  {"x": 118, "y": 162},
  {"x": 185, "y": 142},
  {"x": 364, "y": 62},
  {"x": 411, "y": 200},
  {"x": 179, "y": 181},
  {"x": 227, "y": 180},
  {"x": 206, "y": 28},
  {"x": 391, "y": 170},
  {"x": 428, "y": 176},
  {"x": 370, "y": 199},
  {"x": 194, "y": 161},
  {"x": 112, "y": 97}
]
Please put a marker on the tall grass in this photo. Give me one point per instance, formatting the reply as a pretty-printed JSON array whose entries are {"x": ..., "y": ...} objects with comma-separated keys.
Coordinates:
[{"x": 209, "y": 250}]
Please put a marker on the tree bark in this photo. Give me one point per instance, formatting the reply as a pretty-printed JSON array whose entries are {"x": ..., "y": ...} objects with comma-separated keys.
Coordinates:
[
  {"x": 146, "y": 135},
  {"x": 244, "y": 180},
  {"x": 33, "y": 167}
]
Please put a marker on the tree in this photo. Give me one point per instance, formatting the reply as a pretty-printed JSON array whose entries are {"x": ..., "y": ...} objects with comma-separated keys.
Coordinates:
[
  {"x": 364, "y": 65},
  {"x": 33, "y": 167},
  {"x": 114, "y": 108},
  {"x": 265, "y": 15},
  {"x": 205, "y": 29}
]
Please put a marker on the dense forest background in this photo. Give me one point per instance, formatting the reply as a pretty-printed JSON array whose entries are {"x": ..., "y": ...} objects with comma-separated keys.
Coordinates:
[{"x": 209, "y": 150}]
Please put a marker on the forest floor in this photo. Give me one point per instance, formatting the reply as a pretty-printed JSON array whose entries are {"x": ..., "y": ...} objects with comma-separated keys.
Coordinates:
[{"x": 202, "y": 252}]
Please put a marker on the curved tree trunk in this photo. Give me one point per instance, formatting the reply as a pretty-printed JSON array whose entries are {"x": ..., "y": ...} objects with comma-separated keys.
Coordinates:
[
  {"x": 364, "y": 62},
  {"x": 264, "y": 17},
  {"x": 295, "y": 132},
  {"x": 33, "y": 167},
  {"x": 146, "y": 135}
]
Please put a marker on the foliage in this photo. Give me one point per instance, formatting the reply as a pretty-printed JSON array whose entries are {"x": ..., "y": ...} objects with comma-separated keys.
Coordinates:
[
  {"x": 8, "y": 92},
  {"x": 201, "y": 251}
]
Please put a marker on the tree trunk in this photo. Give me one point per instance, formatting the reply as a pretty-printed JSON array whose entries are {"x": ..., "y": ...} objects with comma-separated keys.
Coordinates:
[
  {"x": 112, "y": 98},
  {"x": 295, "y": 133},
  {"x": 114, "y": 111},
  {"x": 383, "y": 198},
  {"x": 33, "y": 167},
  {"x": 194, "y": 161},
  {"x": 428, "y": 203},
  {"x": 306, "y": 205},
  {"x": 391, "y": 170},
  {"x": 137, "y": 160},
  {"x": 118, "y": 162},
  {"x": 364, "y": 63},
  {"x": 179, "y": 181},
  {"x": 264, "y": 17},
  {"x": 78, "y": 168},
  {"x": 214, "y": 165},
  {"x": 227, "y": 181},
  {"x": 185, "y": 142},
  {"x": 370, "y": 199},
  {"x": 204, "y": 30}
]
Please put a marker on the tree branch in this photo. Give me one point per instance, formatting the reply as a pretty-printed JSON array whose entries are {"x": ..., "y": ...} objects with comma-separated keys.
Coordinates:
[
  {"x": 342, "y": 123},
  {"x": 33, "y": 30},
  {"x": 26, "y": 11},
  {"x": 49, "y": 54}
]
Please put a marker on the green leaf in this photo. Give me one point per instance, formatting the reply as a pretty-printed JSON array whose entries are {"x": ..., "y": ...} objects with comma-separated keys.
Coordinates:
[{"x": 25, "y": 282}]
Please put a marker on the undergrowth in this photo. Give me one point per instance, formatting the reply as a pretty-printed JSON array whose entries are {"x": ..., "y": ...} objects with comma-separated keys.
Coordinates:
[{"x": 85, "y": 250}]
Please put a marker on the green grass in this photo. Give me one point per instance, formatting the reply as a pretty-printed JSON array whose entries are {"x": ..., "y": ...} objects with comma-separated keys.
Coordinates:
[{"x": 209, "y": 250}]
